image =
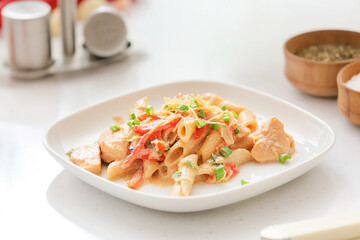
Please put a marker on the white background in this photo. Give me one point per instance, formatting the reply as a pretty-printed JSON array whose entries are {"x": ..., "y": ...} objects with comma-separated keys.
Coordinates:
[{"x": 235, "y": 41}]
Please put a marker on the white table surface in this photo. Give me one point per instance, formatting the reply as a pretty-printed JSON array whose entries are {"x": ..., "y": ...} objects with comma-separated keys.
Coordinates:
[{"x": 235, "y": 41}]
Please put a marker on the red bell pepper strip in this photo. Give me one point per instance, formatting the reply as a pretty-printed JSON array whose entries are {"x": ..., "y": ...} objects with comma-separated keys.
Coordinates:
[
  {"x": 143, "y": 129},
  {"x": 135, "y": 154},
  {"x": 136, "y": 180},
  {"x": 146, "y": 157},
  {"x": 200, "y": 131},
  {"x": 182, "y": 113},
  {"x": 144, "y": 116}
]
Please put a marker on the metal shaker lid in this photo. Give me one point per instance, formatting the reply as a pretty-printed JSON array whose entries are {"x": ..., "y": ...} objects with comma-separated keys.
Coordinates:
[
  {"x": 105, "y": 32},
  {"x": 27, "y": 34},
  {"x": 26, "y": 10}
]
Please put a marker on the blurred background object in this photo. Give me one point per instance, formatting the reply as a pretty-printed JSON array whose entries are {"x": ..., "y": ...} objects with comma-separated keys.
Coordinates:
[
  {"x": 85, "y": 7},
  {"x": 27, "y": 34},
  {"x": 105, "y": 32},
  {"x": 101, "y": 37}
]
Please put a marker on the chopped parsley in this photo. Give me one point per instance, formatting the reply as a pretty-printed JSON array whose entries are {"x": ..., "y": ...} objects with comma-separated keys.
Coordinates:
[
  {"x": 69, "y": 152},
  {"x": 176, "y": 175},
  {"x": 190, "y": 164},
  {"x": 213, "y": 160}
]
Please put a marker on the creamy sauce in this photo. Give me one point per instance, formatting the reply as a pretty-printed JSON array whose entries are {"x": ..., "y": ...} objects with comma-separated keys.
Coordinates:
[{"x": 160, "y": 182}]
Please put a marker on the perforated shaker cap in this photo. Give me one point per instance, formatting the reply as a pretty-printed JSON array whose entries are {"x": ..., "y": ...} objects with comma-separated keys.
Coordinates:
[{"x": 105, "y": 32}]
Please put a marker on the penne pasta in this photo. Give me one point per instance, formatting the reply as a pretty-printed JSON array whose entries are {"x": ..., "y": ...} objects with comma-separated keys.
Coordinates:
[
  {"x": 114, "y": 170},
  {"x": 185, "y": 130},
  {"x": 170, "y": 136},
  {"x": 248, "y": 119},
  {"x": 192, "y": 137},
  {"x": 150, "y": 167},
  {"x": 209, "y": 145},
  {"x": 185, "y": 178},
  {"x": 239, "y": 156},
  {"x": 232, "y": 106}
]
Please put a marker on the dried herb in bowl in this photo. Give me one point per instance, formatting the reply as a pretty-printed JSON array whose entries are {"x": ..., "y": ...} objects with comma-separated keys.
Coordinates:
[{"x": 330, "y": 52}]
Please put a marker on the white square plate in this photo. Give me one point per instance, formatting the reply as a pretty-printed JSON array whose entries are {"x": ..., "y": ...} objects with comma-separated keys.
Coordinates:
[{"x": 313, "y": 138}]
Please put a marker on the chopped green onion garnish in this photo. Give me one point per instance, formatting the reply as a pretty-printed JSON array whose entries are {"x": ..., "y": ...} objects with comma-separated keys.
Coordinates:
[
  {"x": 115, "y": 127},
  {"x": 176, "y": 175},
  {"x": 236, "y": 130},
  {"x": 132, "y": 116},
  {"x": 69, "y": 152},
  {"x": 223, "y": 107},
  {"x": 149, "y": 110},
  {"x": 225, "y": 152},
  {"x": 235, "y": 115},
  {"x": 190, "y": 164},
  {"x": 226, "y": 117},
  {"x": 166, "y": 106},
  {"x": 214, "y": 126},
  {"x": 183, "y": 108},
  {"x": 200, "y": 123},
  {"x": 136, "y": 122},
  {"x": 283, "y": 157},
  {"x": 133, "y": 122},
  {"x": 201, "y": 113},
  {"x": 243, "y": 182},
  {"x": 193, "y": 104},
  {"x": 219, "y": 172}
]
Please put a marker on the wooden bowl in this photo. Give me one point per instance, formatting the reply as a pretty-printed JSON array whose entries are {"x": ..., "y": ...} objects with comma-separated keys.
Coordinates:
[
  {"x": 349, "y": 99},
  {"x": 313, "y": 77}
]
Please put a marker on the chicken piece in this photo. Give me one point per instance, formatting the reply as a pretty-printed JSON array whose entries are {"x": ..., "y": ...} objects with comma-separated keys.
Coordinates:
[
  {"x": 244, "y": 142},
  {"x": 243, "y": 131},
  {"x": 274, "y": 142},
  {"x": 87, "y": 157},
  {"x": 113, "y": 145}
]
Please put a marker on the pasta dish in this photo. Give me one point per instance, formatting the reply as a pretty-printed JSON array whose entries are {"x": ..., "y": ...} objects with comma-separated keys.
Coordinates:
[{"x": 192, "y": 138}]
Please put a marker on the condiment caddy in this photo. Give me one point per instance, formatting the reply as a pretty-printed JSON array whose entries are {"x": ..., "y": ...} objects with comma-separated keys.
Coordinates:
[{"x": 27, "y": 36}]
